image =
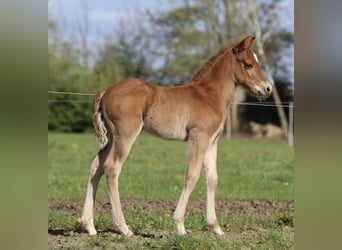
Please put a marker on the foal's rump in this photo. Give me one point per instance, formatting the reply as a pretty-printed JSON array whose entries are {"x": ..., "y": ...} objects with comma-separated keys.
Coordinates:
[{"x": 126, "y": 98}]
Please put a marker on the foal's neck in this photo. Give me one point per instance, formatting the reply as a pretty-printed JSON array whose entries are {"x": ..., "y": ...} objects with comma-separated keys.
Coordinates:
[{"x": 218, "y": 81}]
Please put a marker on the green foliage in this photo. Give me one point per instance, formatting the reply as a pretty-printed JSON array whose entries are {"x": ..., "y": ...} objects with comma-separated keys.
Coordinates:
[
  {"x": 280, "y": 41},
  {"x": 120, "y": 59},
  {"x": 247, "y": 169},
  {"x": 189, "y": 35},
  {"x": 73, "y": 113},
  {"x": 192, "y": 32},
  {"x": 68, "y": 113}
]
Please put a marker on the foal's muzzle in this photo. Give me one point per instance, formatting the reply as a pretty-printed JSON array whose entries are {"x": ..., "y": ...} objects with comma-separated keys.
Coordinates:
[{"x": 263, "y": 90}]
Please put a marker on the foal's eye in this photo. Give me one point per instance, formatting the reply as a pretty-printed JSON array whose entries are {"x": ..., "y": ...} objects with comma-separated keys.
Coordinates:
[{"x": 248, "y": 65}]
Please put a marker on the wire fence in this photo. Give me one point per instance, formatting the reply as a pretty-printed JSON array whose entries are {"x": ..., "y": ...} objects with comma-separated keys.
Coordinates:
[
  {"x": 265, "y": 104},
  {"x": 68, "y": 93},
  {"x": 289, "y": 105}
]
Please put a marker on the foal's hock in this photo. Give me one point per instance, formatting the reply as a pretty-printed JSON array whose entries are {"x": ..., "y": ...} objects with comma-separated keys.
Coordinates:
[{"x": 194, "y": 112}]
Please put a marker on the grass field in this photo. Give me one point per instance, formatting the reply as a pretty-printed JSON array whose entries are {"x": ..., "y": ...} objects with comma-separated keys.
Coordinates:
[{"x": 254, "y": 171}]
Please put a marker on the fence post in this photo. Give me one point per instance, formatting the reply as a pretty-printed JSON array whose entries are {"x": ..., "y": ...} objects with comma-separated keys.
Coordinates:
[
  {"x": 290, "y": 133},
  {"x": 228, "y": 124}
]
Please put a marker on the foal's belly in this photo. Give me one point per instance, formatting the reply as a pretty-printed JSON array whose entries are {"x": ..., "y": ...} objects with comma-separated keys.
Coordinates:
[{"x": 167, "y": 127}]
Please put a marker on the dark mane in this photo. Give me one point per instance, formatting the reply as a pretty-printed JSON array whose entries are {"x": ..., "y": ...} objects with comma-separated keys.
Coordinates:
[{"x": 211, "y": 62}]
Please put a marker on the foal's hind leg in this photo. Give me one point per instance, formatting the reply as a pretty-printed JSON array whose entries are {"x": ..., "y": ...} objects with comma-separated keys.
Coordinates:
[
  {"x": 96, "y": 172},
  {"x": 197, "y": 146},
  {"x": 211, "y": 181},
  {"x": 126, "y": 133}
]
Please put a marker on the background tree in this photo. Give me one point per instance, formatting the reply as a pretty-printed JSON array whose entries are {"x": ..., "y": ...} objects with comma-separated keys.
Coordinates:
[
  {"x": 165, "y": 47},
  {"x": 282, "y": 37},
  {"x": 197, "y": 29},
  {"x": 190, "y": 34},
  {"x": 121, "y": 59},
  {"x": 67, "y": 74},
  {"x": 69, "y": 71},
  {"x": 68, "y": 113}
]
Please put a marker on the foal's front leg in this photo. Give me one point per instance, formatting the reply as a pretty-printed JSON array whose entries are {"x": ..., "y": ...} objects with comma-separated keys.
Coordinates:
[
  {"x": 211, "y": 181},
  {"x": 197, "y": 146}
]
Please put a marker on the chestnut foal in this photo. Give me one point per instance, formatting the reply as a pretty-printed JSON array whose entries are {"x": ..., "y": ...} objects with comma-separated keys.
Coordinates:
[{"x": 194, "y": 112}]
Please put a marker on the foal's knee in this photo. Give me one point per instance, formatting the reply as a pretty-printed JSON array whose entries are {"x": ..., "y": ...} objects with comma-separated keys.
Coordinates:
[
  {"x": 191, "y": 180},
  {"x": 109, "y": 169},
  {"x": 112, "y": 169},
  {"x": 212, "y": 181}
]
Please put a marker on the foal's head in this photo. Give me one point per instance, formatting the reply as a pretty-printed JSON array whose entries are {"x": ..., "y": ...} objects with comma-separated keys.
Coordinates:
[{"x": 246, "y": 70}]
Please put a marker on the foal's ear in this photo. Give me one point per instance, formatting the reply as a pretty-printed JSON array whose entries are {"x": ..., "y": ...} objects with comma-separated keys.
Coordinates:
[{"x": 244, "y": 44}]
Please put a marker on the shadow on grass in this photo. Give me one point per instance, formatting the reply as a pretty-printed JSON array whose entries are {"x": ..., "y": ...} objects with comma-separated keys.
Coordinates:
[
  {"x": 66, "y": 232},
  {"x": 57, "y": 232},
  {"x": 148, "y": 235}
]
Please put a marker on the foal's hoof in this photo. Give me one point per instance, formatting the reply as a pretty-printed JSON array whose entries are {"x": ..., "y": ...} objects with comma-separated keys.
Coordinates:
[
  {"x": 91, "y": 230},
  {"x": 128, "y": 233},
  {"x": 124, "y": 231},
  {"x": 180, "y": 229},
  {"x": 217, "y": 230},
  {"x": 88, "y": 226}
]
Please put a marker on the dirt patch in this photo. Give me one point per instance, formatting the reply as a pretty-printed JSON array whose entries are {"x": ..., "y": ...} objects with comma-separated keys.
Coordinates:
[
  {"x": 224, "y": 208},
  {"x": 74, "y": 236}
]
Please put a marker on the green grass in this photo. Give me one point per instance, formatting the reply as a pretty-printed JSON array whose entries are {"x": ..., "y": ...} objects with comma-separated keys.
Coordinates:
[
  {"x": 155, "y": 231},
  {"x": 155, "y": 169}
]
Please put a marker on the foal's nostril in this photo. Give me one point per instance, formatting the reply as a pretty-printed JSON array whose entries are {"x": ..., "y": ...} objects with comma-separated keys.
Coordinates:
[{"x": 268, "y": 89}]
